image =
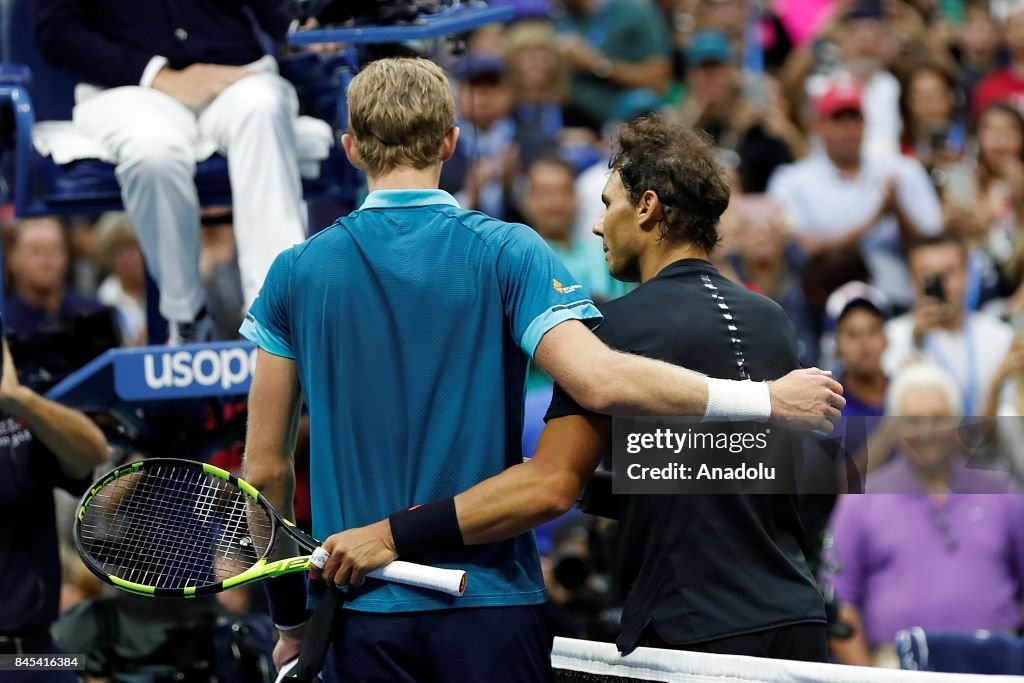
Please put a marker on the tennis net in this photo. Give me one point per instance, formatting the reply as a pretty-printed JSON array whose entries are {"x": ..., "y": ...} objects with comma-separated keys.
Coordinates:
[{"x": 581, "y": 661}]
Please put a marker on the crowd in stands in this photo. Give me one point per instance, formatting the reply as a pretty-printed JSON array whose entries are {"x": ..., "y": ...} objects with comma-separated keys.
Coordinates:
[{"x": 875, "y": 152}]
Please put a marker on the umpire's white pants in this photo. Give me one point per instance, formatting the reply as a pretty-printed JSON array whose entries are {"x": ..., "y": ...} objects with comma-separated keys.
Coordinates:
[{"x": 156, "y": 141}]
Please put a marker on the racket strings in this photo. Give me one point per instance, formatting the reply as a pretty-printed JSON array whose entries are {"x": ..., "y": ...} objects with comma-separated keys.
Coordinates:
[{"x": 174, "y": 527}]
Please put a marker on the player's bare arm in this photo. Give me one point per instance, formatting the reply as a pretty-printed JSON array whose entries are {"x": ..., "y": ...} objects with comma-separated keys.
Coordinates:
[
  {"x": 274, "y": 402},
  {"x": 611, "y": 382}
]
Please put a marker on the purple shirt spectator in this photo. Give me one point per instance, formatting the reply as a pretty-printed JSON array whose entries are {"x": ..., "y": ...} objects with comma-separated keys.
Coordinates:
[{"x": 909, "y": 560}]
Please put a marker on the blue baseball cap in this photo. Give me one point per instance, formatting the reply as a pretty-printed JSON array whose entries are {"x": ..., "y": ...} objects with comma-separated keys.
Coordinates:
[{"x": 709, "y": 46}]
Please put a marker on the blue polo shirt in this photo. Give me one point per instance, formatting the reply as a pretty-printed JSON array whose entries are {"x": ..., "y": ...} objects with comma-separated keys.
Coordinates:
[{"x": 411, "y": 322}]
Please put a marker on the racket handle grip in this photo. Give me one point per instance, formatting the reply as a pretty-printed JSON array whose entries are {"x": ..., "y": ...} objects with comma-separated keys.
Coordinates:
[{"x": 450, "y": 581}]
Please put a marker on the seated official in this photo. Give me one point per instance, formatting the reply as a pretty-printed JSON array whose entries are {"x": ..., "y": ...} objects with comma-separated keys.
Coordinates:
[{"x": 163, "y": 87}]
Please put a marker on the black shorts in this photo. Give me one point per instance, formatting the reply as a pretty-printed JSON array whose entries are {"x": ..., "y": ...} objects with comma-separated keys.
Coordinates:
[{"x": 490, "y": 644}]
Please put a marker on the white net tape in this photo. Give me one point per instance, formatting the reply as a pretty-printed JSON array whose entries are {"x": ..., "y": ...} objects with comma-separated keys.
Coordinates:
[{"x": 582, "y": 661}]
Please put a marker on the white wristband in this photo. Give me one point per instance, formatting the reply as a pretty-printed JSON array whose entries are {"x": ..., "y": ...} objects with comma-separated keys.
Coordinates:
[
  {"x": 319, "y": 557},
  {"x": 737, "y": 400}
]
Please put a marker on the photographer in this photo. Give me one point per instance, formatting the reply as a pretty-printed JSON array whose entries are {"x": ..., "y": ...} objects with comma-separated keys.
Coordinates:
[
  {"x": 43, "y": 445},
  {"x": 969, "y": 346}
]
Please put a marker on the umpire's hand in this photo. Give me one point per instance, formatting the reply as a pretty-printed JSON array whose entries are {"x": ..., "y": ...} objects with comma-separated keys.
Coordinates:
[
  {"x": 355, "y": 553},
  {"x": 807, "y": 399}
]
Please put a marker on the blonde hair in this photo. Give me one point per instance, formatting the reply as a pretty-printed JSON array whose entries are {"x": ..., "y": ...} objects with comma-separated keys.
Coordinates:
[
  {"x": 113, "y": 230},
  {"x": 399, "y": 111},
  {"x": 536, "y": 35}
]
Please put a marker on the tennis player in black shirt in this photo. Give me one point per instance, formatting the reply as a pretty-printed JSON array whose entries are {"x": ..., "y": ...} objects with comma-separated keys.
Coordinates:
[{"x": 714, "y": 573}]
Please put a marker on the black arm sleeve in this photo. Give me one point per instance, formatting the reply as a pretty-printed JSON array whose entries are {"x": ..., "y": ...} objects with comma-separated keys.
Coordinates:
[
  {"x": 562, "y": 404},
  {"x": 68, "y": 40}
]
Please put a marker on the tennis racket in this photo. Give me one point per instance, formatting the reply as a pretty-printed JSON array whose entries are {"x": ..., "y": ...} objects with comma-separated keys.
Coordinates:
[{"x": 166, "y": 527}]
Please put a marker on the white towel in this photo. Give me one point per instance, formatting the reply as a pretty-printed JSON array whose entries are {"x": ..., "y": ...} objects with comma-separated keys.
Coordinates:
[{"x": 61, "y": 141}]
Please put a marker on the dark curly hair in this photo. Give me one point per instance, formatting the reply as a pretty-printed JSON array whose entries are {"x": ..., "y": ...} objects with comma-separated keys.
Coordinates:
[{"x": 679, "y": 165}]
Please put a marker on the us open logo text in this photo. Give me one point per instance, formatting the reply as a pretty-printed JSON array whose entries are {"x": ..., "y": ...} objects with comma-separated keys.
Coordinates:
[{"x": 226, "y": 368}]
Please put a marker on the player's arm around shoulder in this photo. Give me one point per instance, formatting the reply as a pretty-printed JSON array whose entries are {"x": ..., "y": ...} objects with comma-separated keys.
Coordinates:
[{"x": 613, "y": 383}]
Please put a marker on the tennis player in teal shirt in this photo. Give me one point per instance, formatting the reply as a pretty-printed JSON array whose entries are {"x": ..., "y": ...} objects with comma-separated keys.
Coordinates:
[{"x": 408, "y": 326}]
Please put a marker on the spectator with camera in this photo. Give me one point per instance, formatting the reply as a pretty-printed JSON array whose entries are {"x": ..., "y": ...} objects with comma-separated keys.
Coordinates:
[
  {"x": 165, "y": 86},
  {"x": 968, "y": 345},
  {"x": 965, "y": 553}
]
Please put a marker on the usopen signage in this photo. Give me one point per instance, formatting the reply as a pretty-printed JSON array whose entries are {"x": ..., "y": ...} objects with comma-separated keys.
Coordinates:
[{"x": 193, "y": 371}]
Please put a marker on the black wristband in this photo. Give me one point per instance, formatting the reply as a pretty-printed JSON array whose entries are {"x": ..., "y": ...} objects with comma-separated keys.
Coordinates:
[
  {"x": 286, "y": 599},
  {"x": 425, "y": 528}
]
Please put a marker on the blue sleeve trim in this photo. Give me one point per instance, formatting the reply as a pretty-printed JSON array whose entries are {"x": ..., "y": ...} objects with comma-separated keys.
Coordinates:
[
  {"x": 583, "y": 310},
  {"x": 255, "y": 332}
]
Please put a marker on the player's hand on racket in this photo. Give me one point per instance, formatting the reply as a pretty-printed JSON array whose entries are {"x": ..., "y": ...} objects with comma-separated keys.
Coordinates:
[
  {"x": 807, "y": 399},
  {"x": 356, "y": 552}
]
